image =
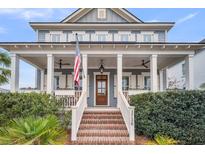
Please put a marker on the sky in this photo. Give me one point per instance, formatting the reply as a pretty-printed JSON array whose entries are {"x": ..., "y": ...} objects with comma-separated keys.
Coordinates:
[{"x": 14, "y": 26}]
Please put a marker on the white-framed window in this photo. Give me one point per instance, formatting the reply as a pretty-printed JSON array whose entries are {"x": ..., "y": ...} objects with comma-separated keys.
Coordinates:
[
  {"x": 101, "y": 37},
  {"x": 124, "y": 37},
  {"x": 41, "y": 36},
  {"x": 125, "y": 83},
  {"x": 147, "y": 82},
  {"x": 55, "y": 37},
  {"x": 80, "y": 37},
  {"x": 101, "y": 13},
  {"x": 147, "y": 37}
]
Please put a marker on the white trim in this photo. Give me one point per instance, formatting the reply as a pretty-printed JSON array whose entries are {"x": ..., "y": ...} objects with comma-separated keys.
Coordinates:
[{"x": 108, "y": 84}]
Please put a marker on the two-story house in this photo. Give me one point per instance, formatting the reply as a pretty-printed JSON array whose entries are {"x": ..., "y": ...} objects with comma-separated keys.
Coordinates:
[{"x": 121, "y": 56}]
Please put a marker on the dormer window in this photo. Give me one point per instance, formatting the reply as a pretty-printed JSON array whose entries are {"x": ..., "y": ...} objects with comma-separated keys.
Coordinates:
[{"x": 101, "y": 13}]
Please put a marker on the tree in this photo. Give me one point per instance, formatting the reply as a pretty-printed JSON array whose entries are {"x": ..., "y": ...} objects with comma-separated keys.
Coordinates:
[{"x": 5, "y": 73}]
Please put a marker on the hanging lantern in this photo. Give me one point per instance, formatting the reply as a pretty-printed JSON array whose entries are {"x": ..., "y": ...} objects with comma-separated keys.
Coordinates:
[{"x": 101, "y": 68}]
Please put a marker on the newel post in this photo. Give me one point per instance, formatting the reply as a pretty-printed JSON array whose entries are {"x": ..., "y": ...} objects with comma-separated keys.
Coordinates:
[{"x": 132, "y": 124}]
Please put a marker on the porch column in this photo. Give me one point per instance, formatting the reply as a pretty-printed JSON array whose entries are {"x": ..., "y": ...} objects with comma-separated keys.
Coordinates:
[
  {"x": 153, "y": 73},
  {"x": 50, "y": 73},
  {"x": 189, "y": 72},
  {"x": 85, "y": 72},
  {"x": 119, "y": 74},
  {"x": 161, "y": 81},
  {"x": 42, "y": 80},
  {"x": 38, "y": 79},
  {"x": 14, "y": 72}
]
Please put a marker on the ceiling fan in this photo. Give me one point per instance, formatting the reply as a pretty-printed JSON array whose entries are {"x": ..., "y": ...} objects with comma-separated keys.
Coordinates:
[
  {"x": 144, "y": 63},
  {"x": 60, "y": 63}
]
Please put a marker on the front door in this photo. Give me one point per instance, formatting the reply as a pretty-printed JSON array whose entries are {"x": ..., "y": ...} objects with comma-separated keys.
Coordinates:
[{"x": 101, "y": 90}]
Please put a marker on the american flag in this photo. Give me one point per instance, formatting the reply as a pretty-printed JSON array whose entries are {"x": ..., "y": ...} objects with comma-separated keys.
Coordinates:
[{"x": 77, "y": 63}]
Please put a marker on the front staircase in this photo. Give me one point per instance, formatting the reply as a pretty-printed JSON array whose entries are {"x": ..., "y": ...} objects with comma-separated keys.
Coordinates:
[{"x": 102, "y": 126}]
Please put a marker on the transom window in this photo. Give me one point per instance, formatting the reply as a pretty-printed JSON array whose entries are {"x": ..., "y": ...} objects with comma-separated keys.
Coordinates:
[
  {"x": 147, "y": 37},
  {"x": 124, "y": 37},
  {"x": 55, "y": 37},
  {"x": 101, "y": 13}
]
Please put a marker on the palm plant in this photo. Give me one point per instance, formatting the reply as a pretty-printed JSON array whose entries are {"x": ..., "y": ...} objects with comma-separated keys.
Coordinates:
[
  {"x": 4, "y": 72},
  {"x": 33, "y": 130}
]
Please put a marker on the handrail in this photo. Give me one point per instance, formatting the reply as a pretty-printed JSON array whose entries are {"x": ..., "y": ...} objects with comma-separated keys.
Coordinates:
[
  {"x": 77, "y": 113},
  {"x": 128, "y": 115}
]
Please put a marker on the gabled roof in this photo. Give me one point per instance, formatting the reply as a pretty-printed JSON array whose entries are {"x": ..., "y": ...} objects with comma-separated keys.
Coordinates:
[{"x": 129, "y": 17}]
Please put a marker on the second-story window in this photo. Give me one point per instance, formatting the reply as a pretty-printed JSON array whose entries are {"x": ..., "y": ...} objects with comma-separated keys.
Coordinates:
[
  {"x": 55, "y": 37},
  {"x": 101, "y": 37},
  {"x": 147, "y": 37},
  {"x": 124, "y": 37},
  {"x": 42, "y": 36},
  {"x": 80, "y": 37}
]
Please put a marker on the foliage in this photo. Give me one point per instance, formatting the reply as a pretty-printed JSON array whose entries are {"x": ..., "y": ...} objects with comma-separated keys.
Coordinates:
[
  {"x": 17, "y": 105},
  {"x": 202, "y": 86},
  {"x": 32, "y": 130},
  {"x": 177, "y": 114},
  {"x": 4, "y": 71},
  {"x": 164, "y": 140}
]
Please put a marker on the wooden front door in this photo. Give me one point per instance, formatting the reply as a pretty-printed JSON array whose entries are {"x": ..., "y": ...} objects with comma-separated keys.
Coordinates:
[{"x": 101, "y": 90}]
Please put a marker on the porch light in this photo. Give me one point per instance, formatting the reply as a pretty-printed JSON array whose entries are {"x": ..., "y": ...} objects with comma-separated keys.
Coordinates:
[{"x": 101, "y": 68}]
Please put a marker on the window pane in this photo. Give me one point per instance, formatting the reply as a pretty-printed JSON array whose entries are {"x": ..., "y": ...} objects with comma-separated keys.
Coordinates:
[
  {"x": 147, "y": 38},
  {"x": 55, "y": 37},
  {"x": 101, "y": 37},
  {"x": 147, "y": 81},
  {"x": 41, "y": 36},
  {"x": 125, "y": 82},
  {"x": 124, "y": 37}
]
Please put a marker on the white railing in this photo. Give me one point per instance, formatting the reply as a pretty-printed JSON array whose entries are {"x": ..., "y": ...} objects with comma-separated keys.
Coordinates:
[
  {"x": 68, "y": 99},
  {"x": 128, "y": 114},
  {"x": 77, "y": 113}
]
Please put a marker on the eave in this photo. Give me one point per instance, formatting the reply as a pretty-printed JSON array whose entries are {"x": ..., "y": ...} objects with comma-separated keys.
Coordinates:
[
  {"x": 185, "y": 46},
  {"x": 110, "y": 26}
]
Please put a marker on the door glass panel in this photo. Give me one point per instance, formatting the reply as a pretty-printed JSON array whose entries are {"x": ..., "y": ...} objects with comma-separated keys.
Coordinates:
[{"x": 103, "y": 84}]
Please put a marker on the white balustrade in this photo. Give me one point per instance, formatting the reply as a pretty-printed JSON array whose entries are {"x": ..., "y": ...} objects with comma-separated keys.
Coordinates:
[
  {"x": 128, "y": 115},
  {"x": 77, "y": 113}
]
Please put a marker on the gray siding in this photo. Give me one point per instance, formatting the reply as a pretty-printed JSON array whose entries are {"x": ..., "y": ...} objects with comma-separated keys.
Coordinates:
[
  {"x": 161, "y": 36},
  {"x": 110, "y": 17}
]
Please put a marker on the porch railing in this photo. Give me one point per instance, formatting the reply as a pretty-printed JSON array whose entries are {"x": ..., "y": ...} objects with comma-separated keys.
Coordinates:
[
  {"x": 69, "y": 100},
  {"x": 128, "y": 114},
  {"x": 77, "y": 113}
]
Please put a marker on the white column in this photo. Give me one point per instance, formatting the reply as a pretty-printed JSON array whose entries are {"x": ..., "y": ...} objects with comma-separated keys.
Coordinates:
[
  {"x": 167, "y": 78},
  {"x": 38, "y": 78},
  {"x": 50, "y": 73},
  {"x": 161, "y": 81},
  {"x": 119, "y": 75},
  {"x": 85, "y": 72},
  {"x": 42, "y": 80},
  {"x": 14, "y": 73},
  {"x": 85, "y": 75},
  {"x": 153, "y": 73},
  {"x": 189, "y": 72}
]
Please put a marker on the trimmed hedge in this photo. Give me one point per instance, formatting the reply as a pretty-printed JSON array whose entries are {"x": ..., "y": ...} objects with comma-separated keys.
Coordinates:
[
  {"x": 18, "y": 105},
  {"x": 177, "y": 114}
]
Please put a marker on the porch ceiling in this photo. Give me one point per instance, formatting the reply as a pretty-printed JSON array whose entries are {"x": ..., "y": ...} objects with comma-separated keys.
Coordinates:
[{"x": 109, "y": 61}]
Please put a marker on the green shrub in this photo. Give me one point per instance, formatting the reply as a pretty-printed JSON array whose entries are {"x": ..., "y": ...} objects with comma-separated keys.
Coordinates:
[
  {"x": 164, "y": 140},
  {"x": 33, "y": 130},
  {"x": 17, "y": 105},
  {"x": 178, "y": 114}
]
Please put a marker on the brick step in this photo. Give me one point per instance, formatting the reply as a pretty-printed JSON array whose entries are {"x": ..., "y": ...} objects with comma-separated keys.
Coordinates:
[
  {"x": 103, "y": 126},
  {"x": 102, "y": 112},
  {"x": 102, "y": 133},
  {"x": 102, "y": 116},
  {"x": 102, "y": 121},
  {"x": 103, "y": 140}
]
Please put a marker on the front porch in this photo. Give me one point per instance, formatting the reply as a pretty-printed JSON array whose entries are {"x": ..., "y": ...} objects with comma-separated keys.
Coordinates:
[{"x": 136, "y": 77}]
